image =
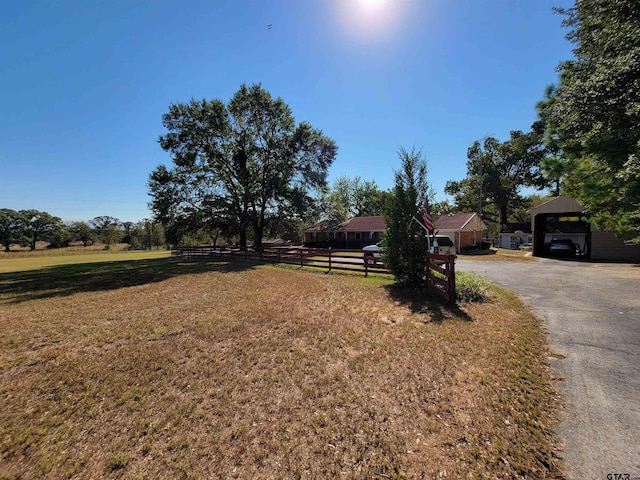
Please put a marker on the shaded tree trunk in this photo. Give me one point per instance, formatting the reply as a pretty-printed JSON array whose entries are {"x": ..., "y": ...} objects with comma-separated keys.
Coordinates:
[
  {"x": 503, "y": 213},
  {"x": 258, "y": 233}
]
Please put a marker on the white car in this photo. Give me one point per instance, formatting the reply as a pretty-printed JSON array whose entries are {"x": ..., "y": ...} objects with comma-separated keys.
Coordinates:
[
  {"x": 372, "y": 253},
  {"x": 441, "y": 245}
]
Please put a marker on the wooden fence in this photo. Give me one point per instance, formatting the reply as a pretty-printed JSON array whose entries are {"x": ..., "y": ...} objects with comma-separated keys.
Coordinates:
[
  {"x": 324, "y": 258},
  {"x": 441, "y": 276}
]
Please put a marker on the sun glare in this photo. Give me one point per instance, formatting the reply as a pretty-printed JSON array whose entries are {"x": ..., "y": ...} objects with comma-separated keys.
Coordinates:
[
  {"x": 371, "y": 6},
  {"x": 370, "y": 20}
]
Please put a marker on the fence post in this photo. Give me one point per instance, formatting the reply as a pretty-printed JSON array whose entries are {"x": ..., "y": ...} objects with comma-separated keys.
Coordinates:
[
  {"x": 452, "y": 280},
  {"x": 329, "y": 258}
]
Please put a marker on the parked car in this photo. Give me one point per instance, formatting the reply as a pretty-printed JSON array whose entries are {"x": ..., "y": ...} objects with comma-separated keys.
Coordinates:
[
  {"x": 445, "y": 246},
  {"x": 562, "y": 247},
  {"x": 372, "y": 253}
]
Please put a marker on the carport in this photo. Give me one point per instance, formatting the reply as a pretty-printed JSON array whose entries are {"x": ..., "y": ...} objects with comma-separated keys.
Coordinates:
[
  {"x": 560, "y": 218},
  {"x": 565, "y": 218}
]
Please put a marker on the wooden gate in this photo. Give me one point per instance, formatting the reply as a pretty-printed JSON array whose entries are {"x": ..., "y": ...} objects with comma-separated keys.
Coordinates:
[{"x": 441, "y": 276}]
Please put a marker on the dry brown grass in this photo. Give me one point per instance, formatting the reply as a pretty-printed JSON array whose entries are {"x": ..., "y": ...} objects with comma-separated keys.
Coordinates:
[{"x": 166, "y": 369}]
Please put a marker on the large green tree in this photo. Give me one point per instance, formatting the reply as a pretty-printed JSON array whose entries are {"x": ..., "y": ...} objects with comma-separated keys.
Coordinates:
[
  {"x": 83, "y": 232},
  {"x": 405, "y": 240},
  {"x": 243, "y": 165},
  {"x": 37, "y": 225},
  {"x": 555, "y": 166},
  {"x": 496, "y": 172},
  {"x": 352, "y": 197},
  {"x": 11, "y": 228},
  {"x": 594, "y": 112},
  {"x": 108, "y": 229}
]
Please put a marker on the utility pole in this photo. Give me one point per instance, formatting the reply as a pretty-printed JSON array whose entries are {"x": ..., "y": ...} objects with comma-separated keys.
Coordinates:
[
  {"x": 480, "y": 192},
  {"x": 481, "y": 183}
]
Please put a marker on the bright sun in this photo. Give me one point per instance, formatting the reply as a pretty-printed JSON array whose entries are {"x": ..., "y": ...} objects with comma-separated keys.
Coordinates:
[
  {"x": 372, "y": 6},
  {"x": 370, "y": 20}
]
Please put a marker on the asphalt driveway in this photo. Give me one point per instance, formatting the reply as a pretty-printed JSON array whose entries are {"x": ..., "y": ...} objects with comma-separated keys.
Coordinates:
[{"x": 592, "y": 312}]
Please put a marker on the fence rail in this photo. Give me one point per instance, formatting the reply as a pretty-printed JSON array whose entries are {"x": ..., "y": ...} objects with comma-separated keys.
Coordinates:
[
  {"x": 329, "y": 258},
  {"x": 441, "y": 276}
]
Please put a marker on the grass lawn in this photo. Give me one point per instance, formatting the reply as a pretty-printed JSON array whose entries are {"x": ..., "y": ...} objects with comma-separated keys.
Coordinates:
[
  {"x": 24, "y": 260},
  {"x": 161, "y": 368}
]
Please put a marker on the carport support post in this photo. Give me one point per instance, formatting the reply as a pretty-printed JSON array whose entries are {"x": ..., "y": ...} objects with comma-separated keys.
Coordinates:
[{"x": 539, "y": 227}]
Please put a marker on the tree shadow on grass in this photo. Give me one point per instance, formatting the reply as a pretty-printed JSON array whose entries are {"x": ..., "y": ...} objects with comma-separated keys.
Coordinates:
[
  {"x": 64, "y": 280},
  {"x": 420, "y": 300}
]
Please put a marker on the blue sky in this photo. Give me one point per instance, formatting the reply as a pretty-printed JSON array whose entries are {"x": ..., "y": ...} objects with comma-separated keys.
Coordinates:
[{"x": 84, "y": 84}]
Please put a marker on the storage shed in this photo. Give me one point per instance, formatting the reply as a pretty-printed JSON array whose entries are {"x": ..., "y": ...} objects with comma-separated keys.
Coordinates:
[{"x": 515, "y": 235}]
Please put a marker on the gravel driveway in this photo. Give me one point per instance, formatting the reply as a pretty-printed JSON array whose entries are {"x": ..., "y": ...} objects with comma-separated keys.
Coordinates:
[{"x": 592, "y": 312}]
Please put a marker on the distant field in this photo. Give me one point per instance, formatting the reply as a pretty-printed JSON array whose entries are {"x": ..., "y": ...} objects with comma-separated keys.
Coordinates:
[
  {"x": 24, "y": 260},
  {"x": 164, "y": 368}
]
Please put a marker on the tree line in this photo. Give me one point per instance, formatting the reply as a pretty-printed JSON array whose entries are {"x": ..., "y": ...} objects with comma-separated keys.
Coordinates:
[
  {"x": 245, "y": 170},
  {"x": 27, "y": 227}
]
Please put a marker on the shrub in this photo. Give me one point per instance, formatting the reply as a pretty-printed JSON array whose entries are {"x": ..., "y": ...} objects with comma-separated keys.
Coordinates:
[
  {"x": 471, "y": 287},
  {"x": 405, "y": 246},
  {"x": 135, "y": 243}
]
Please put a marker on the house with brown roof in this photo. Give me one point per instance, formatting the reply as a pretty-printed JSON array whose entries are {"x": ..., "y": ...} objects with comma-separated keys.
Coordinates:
[
  {"x": 464, "y": 229},
  {"x": 356, "y": 232}
]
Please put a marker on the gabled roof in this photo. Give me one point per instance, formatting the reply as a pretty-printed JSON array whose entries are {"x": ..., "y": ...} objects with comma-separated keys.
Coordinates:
[
  {"x": 355, "y": 224},
  {"x": 453, "y": 221},
  {"x": 558, "y": 205},
  {"x": 363, "y": 224},
  {"x": 318, "y": 227}
]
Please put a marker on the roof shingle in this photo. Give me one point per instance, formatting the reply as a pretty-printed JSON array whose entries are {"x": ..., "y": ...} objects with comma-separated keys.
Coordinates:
[
  {"x": 453, "y": 221},
  {"x": 363, "y": 224}
]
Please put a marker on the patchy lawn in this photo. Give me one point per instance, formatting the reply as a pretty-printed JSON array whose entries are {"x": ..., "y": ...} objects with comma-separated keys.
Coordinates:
[{"x": 162, "y": 368}]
